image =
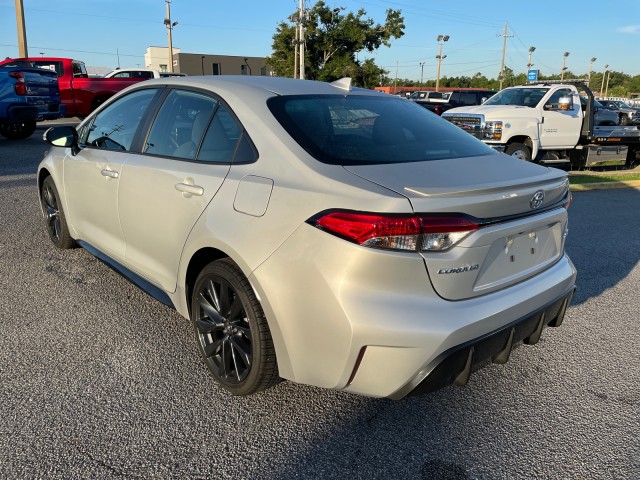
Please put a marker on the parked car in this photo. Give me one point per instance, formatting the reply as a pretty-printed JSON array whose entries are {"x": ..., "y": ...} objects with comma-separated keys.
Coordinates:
[
  {"x": 79, "y": 93},
  {"x": 603, "y": 116},
  {"x": 141, "y": 73},
  {"x": 628, "y": 114},
  {"x": 429, "y": 96},
  {"x": 27, "y": 95},
  {"x": 315, "y": 232},
  {"x": 132, "y": 73},
  {"x": 460, "y": 98}
]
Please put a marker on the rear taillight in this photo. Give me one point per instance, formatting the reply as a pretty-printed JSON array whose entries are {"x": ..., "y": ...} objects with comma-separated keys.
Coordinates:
[
  {"x": 437, "y": 109},
  {"x": 20, "y": 86},
  {"x": 397, "y": 232}
]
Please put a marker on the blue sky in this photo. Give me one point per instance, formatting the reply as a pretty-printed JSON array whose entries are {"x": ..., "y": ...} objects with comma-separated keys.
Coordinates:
[{"x": 95, "y": 30}]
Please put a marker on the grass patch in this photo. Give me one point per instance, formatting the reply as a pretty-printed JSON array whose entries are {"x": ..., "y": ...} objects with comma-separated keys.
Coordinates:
[{"x": 584, "y": 179}]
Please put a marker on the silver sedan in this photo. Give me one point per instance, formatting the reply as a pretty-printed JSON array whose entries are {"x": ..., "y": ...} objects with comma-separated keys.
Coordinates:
[{"x": 315, "y": 232}]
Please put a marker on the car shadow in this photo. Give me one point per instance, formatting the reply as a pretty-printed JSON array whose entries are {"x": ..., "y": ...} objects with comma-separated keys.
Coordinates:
[{"x": 604, "y": 238}]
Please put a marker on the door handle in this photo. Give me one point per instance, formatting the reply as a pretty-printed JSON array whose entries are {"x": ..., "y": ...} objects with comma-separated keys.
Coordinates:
[
  {"x": 109, "y": 173},
  {"x": 190, "y": 188}
]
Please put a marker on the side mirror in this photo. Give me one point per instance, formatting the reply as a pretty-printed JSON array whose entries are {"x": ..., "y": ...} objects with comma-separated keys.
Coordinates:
[
  {"x": 565, "y": 103},
  {"x": 63, "y": 136}
]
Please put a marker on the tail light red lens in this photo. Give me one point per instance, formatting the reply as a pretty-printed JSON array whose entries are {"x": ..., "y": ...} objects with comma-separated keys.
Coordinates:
[
  {"x": 20, "y": 86},
  {"x": 397, "y": 232}
]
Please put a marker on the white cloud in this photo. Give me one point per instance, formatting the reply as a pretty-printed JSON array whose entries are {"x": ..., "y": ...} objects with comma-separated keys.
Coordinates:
[{"x": 633, "y": 29}]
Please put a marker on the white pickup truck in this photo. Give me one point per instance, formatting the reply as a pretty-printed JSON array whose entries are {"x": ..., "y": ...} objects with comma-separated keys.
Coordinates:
[{"x": 546, "y": 123}]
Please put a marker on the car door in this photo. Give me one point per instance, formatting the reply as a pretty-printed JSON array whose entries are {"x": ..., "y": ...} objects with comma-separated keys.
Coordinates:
[
  {"x": 92, "y": 177},
  {"x": 163, "y": 191},
  {"x": 560, "y": 128}
]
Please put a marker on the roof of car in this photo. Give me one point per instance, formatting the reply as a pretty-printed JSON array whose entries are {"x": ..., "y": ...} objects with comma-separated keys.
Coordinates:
[{"x": 239, "y": 84}]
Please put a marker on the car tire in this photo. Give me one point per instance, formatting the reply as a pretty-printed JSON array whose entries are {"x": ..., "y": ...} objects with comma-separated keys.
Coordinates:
[
  {"x": 54, "y": 217},
  {"x": 519, "y": 150},
  {"x": 17, "y": 131},
  {"x": 231, "y": 330}
]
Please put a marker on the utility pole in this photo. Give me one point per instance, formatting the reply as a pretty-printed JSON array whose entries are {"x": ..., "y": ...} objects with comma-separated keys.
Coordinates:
[
  {"x": 504, "y": 51},
  {"x": 301, "y": 40},
  {"x": 395, "y": 82},
  {"x": 296, "y": 43},
  {"x": 22, "y": 32},
  {"x": 169, "y": 25}
]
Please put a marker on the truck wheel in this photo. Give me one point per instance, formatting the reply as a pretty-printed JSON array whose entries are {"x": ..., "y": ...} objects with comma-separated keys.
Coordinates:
[
  {"x": 519, "y": 150},
  {"x": 17, "y": 131}
]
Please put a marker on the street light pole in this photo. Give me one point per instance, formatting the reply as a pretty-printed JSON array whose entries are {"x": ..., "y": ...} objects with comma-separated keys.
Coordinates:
[
  {"x": 606, "y": 91},
  {"x": 529, "y": 64},
  {"x": 169, "y": 25},
  {"x": 593, "y": 59},
  {"x": 441, "y": 39},
  {"x": 564, "y": 64},
  {"x": 202, "y": 64},
  {"x": 421, "y": 72},
  {"x": 603, "y": 75}
]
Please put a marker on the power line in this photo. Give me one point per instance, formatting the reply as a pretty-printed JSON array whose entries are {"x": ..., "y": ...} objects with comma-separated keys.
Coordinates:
[{"x": 75, "y": 51}]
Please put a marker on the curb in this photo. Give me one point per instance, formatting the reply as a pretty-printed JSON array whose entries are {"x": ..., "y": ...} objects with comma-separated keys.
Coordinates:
[{"x": 604, "y": 185}]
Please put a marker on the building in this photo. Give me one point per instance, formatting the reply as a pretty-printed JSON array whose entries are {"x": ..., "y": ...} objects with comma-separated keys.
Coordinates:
[
  {"x": 204, "y": 64},
  {"x": 157, "y": 58}
]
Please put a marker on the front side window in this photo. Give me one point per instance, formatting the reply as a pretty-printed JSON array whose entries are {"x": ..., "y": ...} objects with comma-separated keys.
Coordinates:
[
  {"x": 365, "y": 130},
  {"x": 115, "y": 127},
  {"x": 554, "y": 99}
]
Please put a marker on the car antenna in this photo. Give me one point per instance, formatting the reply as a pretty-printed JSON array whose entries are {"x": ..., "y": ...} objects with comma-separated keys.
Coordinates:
[{"x": 343, "y": 83}]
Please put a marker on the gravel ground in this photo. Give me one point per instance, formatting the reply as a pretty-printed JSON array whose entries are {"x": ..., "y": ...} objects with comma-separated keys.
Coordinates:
[{"x": 98, "y": 380}]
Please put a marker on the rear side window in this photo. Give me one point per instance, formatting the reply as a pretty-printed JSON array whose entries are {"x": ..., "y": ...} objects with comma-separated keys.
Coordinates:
[
  {"x": 180, "y": 125},
  {"x": 364, "y": 130},
  {"x": 194, "y": 126},
  {"x": 114, "y": 128},
  {"x": 79, "y": 70}
]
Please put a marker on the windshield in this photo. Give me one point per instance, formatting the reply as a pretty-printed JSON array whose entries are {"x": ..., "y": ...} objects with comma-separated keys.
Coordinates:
[
  {"x": 623, "y": 105},
  {"x": 365, "y": 130},
  {"x": 524, "y": 97}
]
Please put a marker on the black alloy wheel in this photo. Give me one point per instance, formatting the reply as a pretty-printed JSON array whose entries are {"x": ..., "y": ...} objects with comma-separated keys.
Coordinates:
[
  {"x": 231, "y": 330},
  {"x": 55, "y": 220}
]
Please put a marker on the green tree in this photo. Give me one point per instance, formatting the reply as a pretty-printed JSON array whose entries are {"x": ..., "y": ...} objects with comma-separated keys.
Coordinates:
[{"x": 333, "y": 38}]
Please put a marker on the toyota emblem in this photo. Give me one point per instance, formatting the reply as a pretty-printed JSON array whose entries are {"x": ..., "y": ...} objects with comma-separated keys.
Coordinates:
[{"x": 537, "y": 199}]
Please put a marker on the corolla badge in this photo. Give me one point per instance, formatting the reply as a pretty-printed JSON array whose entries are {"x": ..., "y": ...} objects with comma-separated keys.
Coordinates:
[{"x": 537, "y": 199}]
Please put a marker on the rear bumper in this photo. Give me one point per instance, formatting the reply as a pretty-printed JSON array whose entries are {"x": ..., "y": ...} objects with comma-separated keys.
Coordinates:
[
  {"x": 35, "y": 113},
  {"x": 456, "y": 364}
]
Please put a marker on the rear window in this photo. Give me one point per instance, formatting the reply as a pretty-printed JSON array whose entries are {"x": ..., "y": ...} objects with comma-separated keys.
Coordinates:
[{"x": 366, "y": 130}]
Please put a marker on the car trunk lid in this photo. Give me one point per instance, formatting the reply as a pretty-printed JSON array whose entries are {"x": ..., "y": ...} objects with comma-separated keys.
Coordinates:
[{"x": 521, "y": 234}]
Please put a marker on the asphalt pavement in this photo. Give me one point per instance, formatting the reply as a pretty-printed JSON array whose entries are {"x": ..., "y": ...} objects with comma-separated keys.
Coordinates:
[{"x": 98, "y": 380}]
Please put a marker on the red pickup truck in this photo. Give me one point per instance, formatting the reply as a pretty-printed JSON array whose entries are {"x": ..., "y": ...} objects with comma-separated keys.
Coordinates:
[{"x": 79, "y": 94}]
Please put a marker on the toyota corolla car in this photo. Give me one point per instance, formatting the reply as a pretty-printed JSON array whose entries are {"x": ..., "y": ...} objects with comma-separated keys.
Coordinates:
[{"x": 315, "y": 232}]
